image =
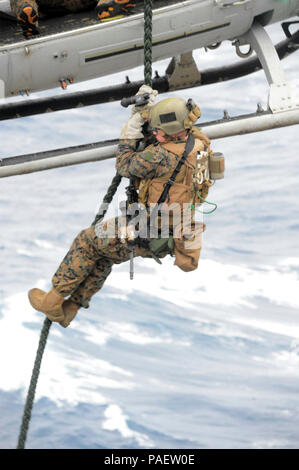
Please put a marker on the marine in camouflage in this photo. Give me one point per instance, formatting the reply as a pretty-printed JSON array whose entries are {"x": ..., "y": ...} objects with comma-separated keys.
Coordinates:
[{"x": 153, "y": 162}]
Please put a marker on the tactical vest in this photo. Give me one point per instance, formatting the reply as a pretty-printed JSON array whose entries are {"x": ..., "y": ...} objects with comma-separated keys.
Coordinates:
[
  {"x": 193, "y": 178},
  {"x": 191, "y": 181}
]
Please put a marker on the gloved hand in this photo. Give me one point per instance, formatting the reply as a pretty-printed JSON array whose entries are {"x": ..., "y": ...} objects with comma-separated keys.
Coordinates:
[
  {"x": 142, "y": 90},
  {"x": 109, "y": 8},
  {"x": 133, "y": 127}
]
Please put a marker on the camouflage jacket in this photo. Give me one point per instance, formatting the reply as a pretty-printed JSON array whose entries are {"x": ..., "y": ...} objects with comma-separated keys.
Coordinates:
[{"x": 153, "y": 162}]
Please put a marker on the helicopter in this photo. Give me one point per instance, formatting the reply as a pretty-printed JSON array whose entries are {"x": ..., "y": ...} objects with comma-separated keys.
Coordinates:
[{"x": 77, "y": 47}]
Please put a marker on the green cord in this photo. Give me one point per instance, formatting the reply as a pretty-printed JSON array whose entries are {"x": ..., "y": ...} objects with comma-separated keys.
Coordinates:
[{"x": 204, "y": 200}]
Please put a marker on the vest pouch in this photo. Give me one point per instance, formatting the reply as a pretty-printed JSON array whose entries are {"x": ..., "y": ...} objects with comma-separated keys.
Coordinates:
[
  {"x": 216, "y": 166},
  {"x": 187, "y": 247},
  {"x": 160, "y": 245}
]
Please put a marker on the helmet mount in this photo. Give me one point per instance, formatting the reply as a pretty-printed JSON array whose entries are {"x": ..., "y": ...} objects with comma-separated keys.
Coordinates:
[{"x": 173, "y": 115}]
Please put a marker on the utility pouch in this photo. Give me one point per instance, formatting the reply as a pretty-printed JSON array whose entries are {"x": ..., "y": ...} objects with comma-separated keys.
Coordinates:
[
  {"x": 216, "y": 166},
  {"x": 187, "y": 247},
  {"x": 161, "y": 246}
]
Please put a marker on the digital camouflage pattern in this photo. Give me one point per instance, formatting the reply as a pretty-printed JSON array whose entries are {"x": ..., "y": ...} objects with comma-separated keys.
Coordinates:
[{"x": 153, "y": 162}]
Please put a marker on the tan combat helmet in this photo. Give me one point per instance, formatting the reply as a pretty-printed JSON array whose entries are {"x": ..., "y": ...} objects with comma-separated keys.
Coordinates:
[{"x": 172, "y": 115}]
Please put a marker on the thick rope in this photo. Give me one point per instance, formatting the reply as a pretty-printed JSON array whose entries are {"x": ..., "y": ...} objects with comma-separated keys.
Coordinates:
[
  {"x": 148, "y": 41},
  {"x": 33, "y": 383}
]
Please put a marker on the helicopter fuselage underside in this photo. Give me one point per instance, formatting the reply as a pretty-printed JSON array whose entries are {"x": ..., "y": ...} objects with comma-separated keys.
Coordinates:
[{"x": 77, "y": 47}]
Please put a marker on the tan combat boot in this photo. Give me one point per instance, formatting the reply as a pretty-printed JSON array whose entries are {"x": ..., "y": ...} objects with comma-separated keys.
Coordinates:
[
  {"x": 48, "y": 303},
  {"x": 70, "y": 310}
]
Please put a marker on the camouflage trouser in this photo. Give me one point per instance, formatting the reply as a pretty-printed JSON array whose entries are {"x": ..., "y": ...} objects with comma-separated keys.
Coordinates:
[
  {"x": 88, "y": 263},
  {"x": 54, "y": 6}
]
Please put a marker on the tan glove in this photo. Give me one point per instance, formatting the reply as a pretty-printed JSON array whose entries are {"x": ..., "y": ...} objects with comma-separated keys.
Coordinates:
[{"x": 142, "y": 90}]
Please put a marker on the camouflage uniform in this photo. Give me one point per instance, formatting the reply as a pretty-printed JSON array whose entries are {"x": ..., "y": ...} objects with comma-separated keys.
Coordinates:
[
  {"x": 89, "y": 261},
  {"x": 153, "y": 161}
]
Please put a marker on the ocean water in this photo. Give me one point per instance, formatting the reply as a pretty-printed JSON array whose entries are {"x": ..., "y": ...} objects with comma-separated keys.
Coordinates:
[{"x": 205, "y": 360}]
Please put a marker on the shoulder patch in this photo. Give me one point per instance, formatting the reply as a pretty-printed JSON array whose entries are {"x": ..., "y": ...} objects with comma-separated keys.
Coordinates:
[{"x": 148, "y": 156}]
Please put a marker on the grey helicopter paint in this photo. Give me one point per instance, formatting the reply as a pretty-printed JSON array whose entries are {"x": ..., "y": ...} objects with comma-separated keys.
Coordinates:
[{"x": 105, "y": 48}]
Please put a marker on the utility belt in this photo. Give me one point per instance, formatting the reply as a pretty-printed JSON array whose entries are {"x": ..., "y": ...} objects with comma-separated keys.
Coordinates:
[{"x": 158, "y": 247}]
